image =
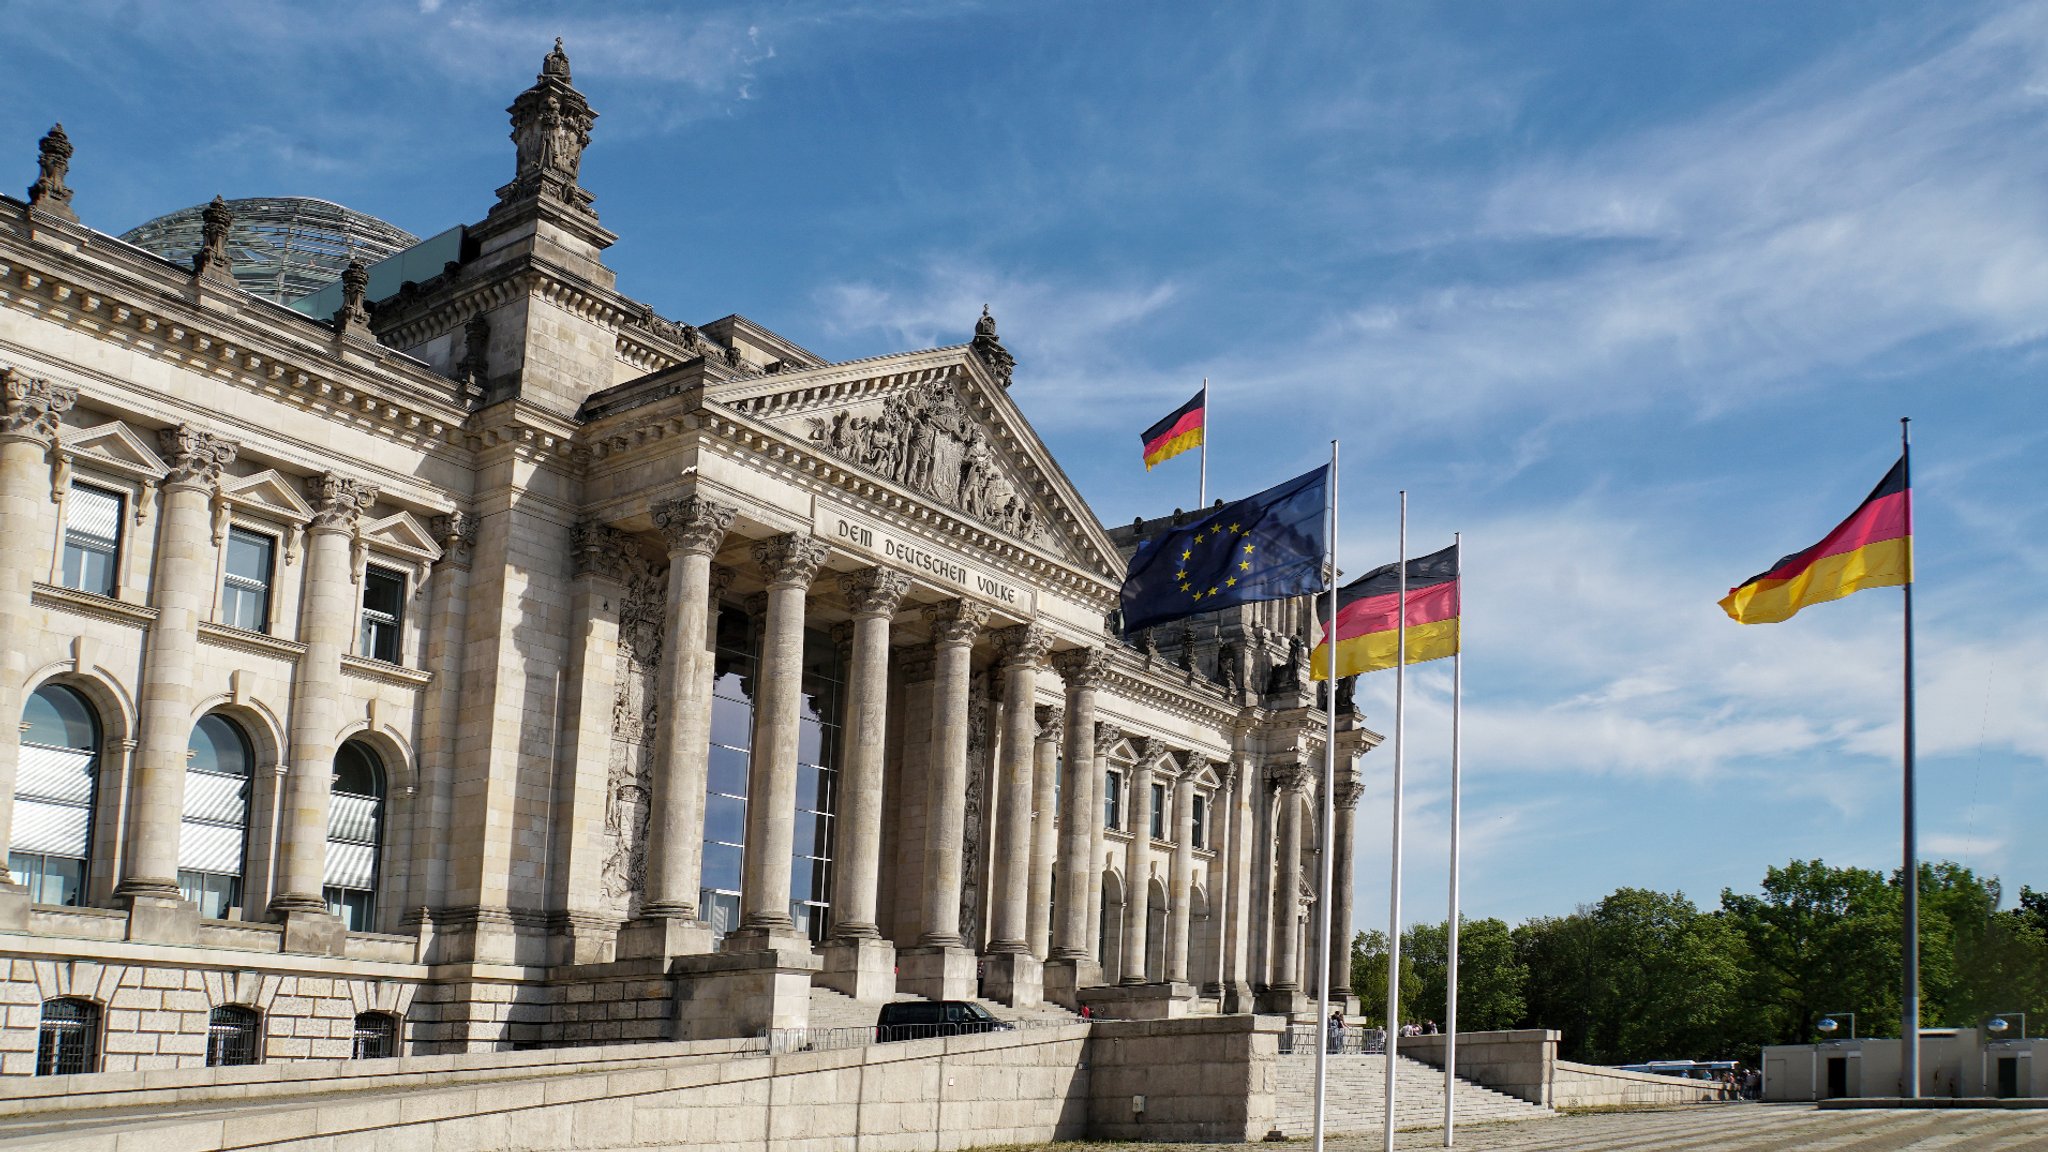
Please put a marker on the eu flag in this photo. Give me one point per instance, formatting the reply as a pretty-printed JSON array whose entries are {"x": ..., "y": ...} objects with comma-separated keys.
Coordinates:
[{"x": 1264, "y": 547}]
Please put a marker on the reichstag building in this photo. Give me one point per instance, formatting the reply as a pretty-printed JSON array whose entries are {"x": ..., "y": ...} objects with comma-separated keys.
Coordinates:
[{"x": 421, "y": 646}]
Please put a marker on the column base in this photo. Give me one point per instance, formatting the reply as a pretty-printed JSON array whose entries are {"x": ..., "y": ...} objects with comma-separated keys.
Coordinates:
[
  {"x": 724, "y": 995},
  {"x": 14, "y": 904},
  {"x": 1284, "y": 1000},
  {"x": 316, "y": 933},
  {"x": 154, "y": 918},
  {"x": 1237, "y": 998},
  {"x": 1066, "y": 976},
  {"x": 863, "y": 968},
  {"x": 937, "y": 972},
  {"x": 1163, "y": 1001},
  {"x": 662, "y": 937},
  {"x": 1015, "y": 979}
]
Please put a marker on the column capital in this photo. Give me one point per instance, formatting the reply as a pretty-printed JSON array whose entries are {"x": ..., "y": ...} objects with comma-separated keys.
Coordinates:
[
  {"x": 338, "y": 501},
  {"x": 1150, "y": 753},
  {"x": 1052, "y": 721},
  {"x": 1106, "y": 736},
  {"x": 955, "y": 622},
  {"x": 874, "y": 591},
  {"x": 791, "y": 560},
  {"x": 195, "y": 456},
  {"x": 1290, "y": 775},
  {"x": 1349, "y": 792},
  {"x": 693, "y": 524},
  {"x": 599, "y": 550},
  {"x": 33, "y": 405},
  {"x": 1082, "y": 667},
  {"x": 1022, "y": 645},
  {"x": 457, "y": 533},
  {"x": 1193, "y": 768}
]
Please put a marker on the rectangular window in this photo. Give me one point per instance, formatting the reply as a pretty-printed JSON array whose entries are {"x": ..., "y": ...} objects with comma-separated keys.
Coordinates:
[
  {"x": 1159, "y": 811},
  {"x": 245, "y": 597},
  {"x": 383, "y": 613},
  {"x": 92, "y": 539},
  {"x": 1113, "y": 800},
  {"x": 214, "y": 892},
  {"x": 1201, "y": 832}
]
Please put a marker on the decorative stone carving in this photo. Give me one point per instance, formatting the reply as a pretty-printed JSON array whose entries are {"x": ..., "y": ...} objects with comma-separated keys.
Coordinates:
[
  {"x": 1082, "y": 667},
  {"x": 1186, "y": 659},
  {"x": 474, "y": 369},
  {"x": 1347, "y": 696},
  {"x": 53, "y": 161},
  {"x": 1024, "y": 644},
  {"x": 1106, "y": 737},
  {"x": 955, "y": 622},
  {"x": 457, "y": 533},
  {"x": 600, "y": 550},
  {"x": 338, "y": 501},
  {"x": 1292, "y": 675},
  {"x": 721, "y": 582},
  {"x": 1290, "y": 776},
  {"x": 693, "y": 524},
  {"x": 1150, "y": 752},
  {"x": 991, "y": 351},
  {"x": 980, "y": 766},
  {"x": 924, "y": 439},
  {"x": 33, "y": 405},
  {"x": 352, "y": 319},
  {"x": 1052, "y": 721},
  {"x": 550, "y": 129},
  {"x": 636, "y": 716},
  {"x": 211, "y": 261},
  {"x": 1193, "y": 768},
  {"x": 874, "y": 591},
  {"x": 1349, "y": 792},
  {"x": 791, "y": 560},
  {"x": 194, "y": 456}
]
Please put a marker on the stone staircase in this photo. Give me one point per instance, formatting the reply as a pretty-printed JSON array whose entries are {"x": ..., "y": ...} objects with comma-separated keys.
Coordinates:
[{"x": 1357, "y": 1090}]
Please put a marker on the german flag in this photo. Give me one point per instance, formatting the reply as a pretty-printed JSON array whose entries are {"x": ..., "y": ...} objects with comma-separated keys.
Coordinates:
[
  {"x": 1180, "y": 431},
  {"x": 1873, "y": 548},
  {"x": 1368, "y": 608}
]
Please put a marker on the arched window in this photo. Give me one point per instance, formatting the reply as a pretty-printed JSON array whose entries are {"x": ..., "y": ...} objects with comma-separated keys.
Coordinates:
[
  {"x": 53, "y": 796},
  {"x": 376, "y": 1035},
  {"x": 214, "y": 832},
  {"x": 355, "y": 829},
  {"x": 69, "y": 1040},
  {"x": 234, "y": 1035}
]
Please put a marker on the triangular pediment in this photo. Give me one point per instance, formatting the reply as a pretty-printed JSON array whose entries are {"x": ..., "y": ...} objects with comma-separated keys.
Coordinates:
[
  {"x": 267, "y": 493},
  {"x": 116, "y": 446},
  {"x": 401, "y": 534},
  {"x": 937, "y": 426}
]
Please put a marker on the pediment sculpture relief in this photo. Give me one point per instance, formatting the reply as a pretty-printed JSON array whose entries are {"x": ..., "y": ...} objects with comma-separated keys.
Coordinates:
[{"x": 924, "y": 439}]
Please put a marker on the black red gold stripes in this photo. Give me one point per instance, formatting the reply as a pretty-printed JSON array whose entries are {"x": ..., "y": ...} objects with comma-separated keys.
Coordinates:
[
  {"x": 1370, "y": 618},
  {"x": 1181, "y": 430},
  {"x": 1873, "y": 548}
]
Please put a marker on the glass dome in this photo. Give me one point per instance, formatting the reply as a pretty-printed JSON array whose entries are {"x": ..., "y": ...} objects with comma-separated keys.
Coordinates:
[{"x": 281, "y": 247}]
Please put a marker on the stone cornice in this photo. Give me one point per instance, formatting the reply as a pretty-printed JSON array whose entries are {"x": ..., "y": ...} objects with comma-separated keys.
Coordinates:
[
  {"x": 1128, "y": 679},
  {"x": 125, "y": 296},
  {"x": 532, "y": 433},
  {"x": 397, "y": 675},
  {"x": 87, "y": 604},
  {"x": 256, "y": 642}
]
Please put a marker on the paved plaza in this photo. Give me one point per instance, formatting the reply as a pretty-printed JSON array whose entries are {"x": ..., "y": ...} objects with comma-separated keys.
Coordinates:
[{"x": 1719, "y": 1128}]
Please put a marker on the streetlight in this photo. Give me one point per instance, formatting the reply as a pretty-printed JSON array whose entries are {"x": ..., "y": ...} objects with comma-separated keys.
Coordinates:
[
  {"x": 1998, "y": 1025},
  {"x": 1828, "y": 1025}
]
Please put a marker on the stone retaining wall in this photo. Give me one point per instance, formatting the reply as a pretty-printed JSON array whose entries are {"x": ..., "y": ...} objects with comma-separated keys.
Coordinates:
[{"x": 1524, "y": 1063}]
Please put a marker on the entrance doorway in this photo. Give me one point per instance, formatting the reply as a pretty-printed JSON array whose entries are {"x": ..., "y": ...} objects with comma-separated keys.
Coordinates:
[
  {"x": 1838, "y": 1077},
  {"x": 2008, "y": 1077}
]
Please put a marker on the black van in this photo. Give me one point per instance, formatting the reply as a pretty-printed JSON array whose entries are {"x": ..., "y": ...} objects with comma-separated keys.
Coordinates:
[{"x": 923, "y": 1019}]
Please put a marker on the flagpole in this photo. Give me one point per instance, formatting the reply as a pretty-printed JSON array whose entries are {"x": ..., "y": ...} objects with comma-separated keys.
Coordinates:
[
  {"x": 1909, "y": 1022},
  {"x": 1202, "y": 497},
  {"x": 1394, "y": 894},
  {"x": 1457, "y": 707},
  {"x": 1329, "y": 804}
]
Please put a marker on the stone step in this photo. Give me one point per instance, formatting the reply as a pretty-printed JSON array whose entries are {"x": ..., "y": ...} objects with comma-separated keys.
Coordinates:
[{"x": 1356, "y": 1087}]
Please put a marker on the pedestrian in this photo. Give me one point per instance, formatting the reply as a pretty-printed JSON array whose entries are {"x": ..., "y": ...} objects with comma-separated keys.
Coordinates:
[{"x": 1336, "y": 1027}]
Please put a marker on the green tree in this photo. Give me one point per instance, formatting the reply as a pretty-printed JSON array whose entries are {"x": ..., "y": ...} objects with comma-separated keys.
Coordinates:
[
  {"x": 1819, "y": 939},
  {"x": 1369, "y": 979},
  {"x": 1490, "y": 978},
  {"x": 1562, "y": 959}
]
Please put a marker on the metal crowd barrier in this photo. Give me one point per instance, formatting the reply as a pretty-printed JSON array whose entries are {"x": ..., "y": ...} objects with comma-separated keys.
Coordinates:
[{"x": 1355, "y": 1040}]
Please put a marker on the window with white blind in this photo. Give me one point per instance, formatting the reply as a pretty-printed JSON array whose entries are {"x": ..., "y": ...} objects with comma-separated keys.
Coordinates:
[
  {"x": 92, "y": 539},
  {"x": 54, "y": 789},
  {"x": 383, "y": 613},
  {"x": 245, "y": 591},
  {"x": 213, "y": 835},
  {"x": 355, "y": 829}
]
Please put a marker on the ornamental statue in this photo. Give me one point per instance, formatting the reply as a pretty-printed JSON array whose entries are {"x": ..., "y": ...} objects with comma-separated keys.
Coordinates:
[{"x": 550, "y": 128}]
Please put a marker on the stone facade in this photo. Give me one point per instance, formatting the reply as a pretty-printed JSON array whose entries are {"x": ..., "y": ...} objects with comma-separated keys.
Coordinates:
[{"x": 501, "y": 664}]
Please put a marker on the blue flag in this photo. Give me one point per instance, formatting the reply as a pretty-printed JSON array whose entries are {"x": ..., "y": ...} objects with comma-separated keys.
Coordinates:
[{"x": 1264, "y": 547}]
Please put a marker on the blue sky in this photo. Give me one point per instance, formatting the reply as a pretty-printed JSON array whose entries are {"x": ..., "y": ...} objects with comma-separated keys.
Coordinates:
[{"x": 1632, "y": 295}]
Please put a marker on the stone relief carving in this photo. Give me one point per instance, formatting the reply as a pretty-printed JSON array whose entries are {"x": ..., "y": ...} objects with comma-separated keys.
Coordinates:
[
  {"x": 457, "y": 533},
  {"x": 924, "y": 439},
  {"x": 636, "y": 715},
  {"x": 874, "y": 591},
  {"x": 1000, "y": 363},
  {"x": 550, "y": 129},
  {"x": 33, "y": 404},
  {"x": 211, "y": 261},
  {"x": 352, "y": 319},
  {"x": 195, "y": 456},
  {"x": 53, "y": 162},
  {"x": 693, "y": 524},
  {"x": 338, "y": 502},
  {"x": 973, "y": 833}
]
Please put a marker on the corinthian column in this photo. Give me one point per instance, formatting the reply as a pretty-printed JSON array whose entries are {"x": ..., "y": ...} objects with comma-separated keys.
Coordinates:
[
  {"x": 184, "y": 581},
  {"x": 858, "y": 961},
  {"x": 789, "y": 563},
  {"x": 1284, "y": 989},
  {"x": 1349, "y": 790},
  {"x": 1044, "y": 827},
  {"x": 1182, "y": 888},
  {"x": 940, "y": 967},
  {"x": 1137, "y": 869},
  {"x": 1015, "y": 976},
  {"x": 1106, "y": 737},
  {"x": 329, "y": 616},
  {"x": 1080, "y": 811},
  {"x": 30, "y": 423},
  {"x": 693, "y": 528}
]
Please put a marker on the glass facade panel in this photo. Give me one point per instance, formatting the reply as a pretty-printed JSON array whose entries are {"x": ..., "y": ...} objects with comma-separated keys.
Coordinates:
[
  {"x": 817, "y": 774},
  {"x": 725, "y": 800}
]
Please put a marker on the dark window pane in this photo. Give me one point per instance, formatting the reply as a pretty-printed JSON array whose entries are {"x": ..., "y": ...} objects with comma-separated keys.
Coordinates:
[
  {"x": 810, "y": 742},
  {"x": 728, "y": 770},
  {"x": 732, "y": 723},
  {"x": 800, "y": 879},
  {"x": 357, "y": 772},
  {"x": 57, "y": 717},
  {"x": 384, "y": 591},
  {"x": 733, "y": 630},
  {"x": 218, "y": 745},
  {"x": 725, "y": 819},
  {"x": 813, "y": 834},
  {"x": 808, "y": 790},
  {"x": 722, "y": 867},
  {"x": 68, "y": 1042},
  {"x": 249, "y": 556}
]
